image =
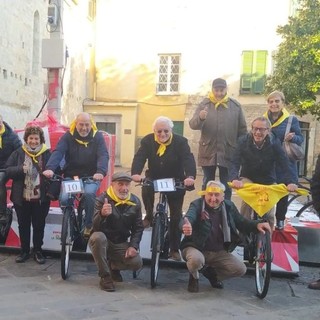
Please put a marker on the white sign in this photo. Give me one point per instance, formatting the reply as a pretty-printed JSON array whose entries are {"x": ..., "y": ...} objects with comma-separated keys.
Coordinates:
[
  {"x": 72, "y": 186},
  {"x": 164, "y": 185}
]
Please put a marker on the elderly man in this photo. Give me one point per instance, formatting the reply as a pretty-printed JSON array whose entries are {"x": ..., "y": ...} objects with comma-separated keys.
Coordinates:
[
  {"x": 9, "y": 142},
  {"x": 85, "y": 153},
  {"x": 221, "y": 121},
  {"x": 211, "y": 227},
  {"x": 168, "y": 156},
  {"x": 256, "y": 156},
  {"x": 117, "y": 218}
]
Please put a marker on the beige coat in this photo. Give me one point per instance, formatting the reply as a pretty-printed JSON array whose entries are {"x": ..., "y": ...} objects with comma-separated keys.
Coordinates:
[{"x": 219, "y": 132}]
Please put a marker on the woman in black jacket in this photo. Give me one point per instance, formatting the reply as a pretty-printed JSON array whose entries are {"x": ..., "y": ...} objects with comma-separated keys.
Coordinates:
[{"x": 29, "y": 191}]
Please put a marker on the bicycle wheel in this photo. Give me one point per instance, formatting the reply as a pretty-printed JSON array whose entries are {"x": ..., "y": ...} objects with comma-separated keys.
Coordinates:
[
  {"x": 81, "y": 216},
  {"x": 66, "y": 241},
  {"x": 263, "y": 263},
  {"x": 156, "y": 249},
  {"x": 307, "y": 208},
  {"x": 80, "y": 243}
]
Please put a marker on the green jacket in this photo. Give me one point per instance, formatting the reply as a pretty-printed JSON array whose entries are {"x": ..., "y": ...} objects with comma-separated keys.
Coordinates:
[{"x": 201, "y": 227}]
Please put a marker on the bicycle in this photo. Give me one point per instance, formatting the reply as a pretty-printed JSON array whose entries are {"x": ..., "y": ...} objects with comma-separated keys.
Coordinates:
[
  {"x": 72, "y": 220},
  {"x": 293, "y": 197},
  {"x": 258, "y": 249},
  {"x": 160, "y": 225},
  {"x": 308, "y": 208}
]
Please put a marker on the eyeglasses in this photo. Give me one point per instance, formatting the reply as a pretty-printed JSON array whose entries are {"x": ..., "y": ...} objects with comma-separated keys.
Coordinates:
[
  {"x": 262, "y": 130},
  {"x": 275, "y": 100},
  {"x": 163, "y": 130}
]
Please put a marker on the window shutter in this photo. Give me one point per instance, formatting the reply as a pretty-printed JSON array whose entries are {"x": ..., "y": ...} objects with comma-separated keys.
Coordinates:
[
  {"x": 246, "y": 72},
  {"x": 260, "y": 71}
]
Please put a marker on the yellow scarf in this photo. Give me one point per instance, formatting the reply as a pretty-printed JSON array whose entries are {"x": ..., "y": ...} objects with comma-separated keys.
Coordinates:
[
  {"x": 73, "y": 128},
  {"x": 210, "y": 189},
  {"x": 163, "y": 146},
  {"x": 2, "y": 131},
  {"x": 262, "y": 198},
  {"x": 223, "y": 102},
  {"x": 117, "y": 200},
  {"x": 34, "y": 156},
  {"x": 285, "y": 115}
]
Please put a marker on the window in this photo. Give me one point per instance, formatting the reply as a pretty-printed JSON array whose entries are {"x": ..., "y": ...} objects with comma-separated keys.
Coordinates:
[
  {"x": 169, "y": 74},
  {"x": 253, "y": 73}
]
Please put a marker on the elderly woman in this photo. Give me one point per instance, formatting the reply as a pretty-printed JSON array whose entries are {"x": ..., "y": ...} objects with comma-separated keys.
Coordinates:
[
  {"x": 28, "y": 191},
  {"x": 278, "y": 117}
]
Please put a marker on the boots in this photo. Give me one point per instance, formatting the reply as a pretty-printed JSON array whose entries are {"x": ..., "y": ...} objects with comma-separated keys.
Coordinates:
[
  {"x": 211, "y": 275},
  {"x": 193, "y": 285}
]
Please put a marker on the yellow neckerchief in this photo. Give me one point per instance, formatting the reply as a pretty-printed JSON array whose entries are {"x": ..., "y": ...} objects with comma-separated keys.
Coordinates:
[
  {"x": 2, "y": 131},
  {"x": 73, "y": 128},
  {"x": 210, "y": 189},
  {"x": 285, "y": 115},
  {"x": 117, "y": 200},
  {"x": 262, "y": 198},
  {"x": 163, "y": 146},
  {"x": 34, "y": 156},
  {"x": 217, "y": 102}
]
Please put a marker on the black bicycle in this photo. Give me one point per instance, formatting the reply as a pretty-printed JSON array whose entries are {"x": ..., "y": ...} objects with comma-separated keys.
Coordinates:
[
  {"x": 257, "y": 250},
  {"x": 297, "y": 196},
  {"x": 160, "y": 225},
  {"x": 72, "y": 220}
]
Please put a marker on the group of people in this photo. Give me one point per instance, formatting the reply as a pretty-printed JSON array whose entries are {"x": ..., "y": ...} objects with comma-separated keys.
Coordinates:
[{"x": 114, "y": 223}]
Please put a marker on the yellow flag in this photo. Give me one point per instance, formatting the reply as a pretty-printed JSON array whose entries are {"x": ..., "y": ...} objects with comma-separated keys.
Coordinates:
[{"x": 262, "y": 198}]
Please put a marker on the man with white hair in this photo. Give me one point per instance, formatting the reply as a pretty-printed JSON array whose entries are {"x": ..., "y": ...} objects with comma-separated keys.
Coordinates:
[{"x": 211, "y": 229}]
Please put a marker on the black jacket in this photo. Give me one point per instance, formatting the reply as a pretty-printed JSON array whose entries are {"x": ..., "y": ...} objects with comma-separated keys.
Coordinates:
[
  {"x": 124, "y": 222},
  {"x": 80, "y": 160},
  {"x": 258, "y": 165},
  {"x": 315, "y": 186},
  {"x": 177, "y": 162},
  {"x": 10, "y": 142},
  {"x": 15, "y": 172}
]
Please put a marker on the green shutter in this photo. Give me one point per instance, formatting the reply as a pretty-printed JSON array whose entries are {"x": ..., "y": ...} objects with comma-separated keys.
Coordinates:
[
  {"x": 246, "y": 71},
  {"x": 178, "y": 127},
  {"x": 260, "y": 71}
]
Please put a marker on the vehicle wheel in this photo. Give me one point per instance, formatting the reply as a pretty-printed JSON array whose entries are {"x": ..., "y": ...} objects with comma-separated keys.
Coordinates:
[
  {"x": 5, "y": 227},
  {"x": 66, "y": 241},
  {"x": 308, "y": 207},
  {"x": 155, "y": 249},
  {"x": 80, "y": 243},
  {"x": 263, "y": 263}
]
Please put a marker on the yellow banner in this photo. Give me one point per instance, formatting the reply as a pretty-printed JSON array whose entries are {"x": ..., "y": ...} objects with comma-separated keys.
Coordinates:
[{"x": 262, "y": 198}]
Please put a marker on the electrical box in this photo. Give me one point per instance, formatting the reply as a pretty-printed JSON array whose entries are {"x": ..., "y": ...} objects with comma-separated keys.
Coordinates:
[
  {"x": 53, "y": 53},
  {"x": 52, "y": 15}
]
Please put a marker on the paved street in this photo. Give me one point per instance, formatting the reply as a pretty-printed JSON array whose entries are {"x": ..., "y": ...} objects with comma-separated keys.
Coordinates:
[{"x": 31, "y": 291}]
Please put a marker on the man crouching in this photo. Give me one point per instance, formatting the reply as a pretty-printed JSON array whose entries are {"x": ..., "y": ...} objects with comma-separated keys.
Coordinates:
[{"x": 211, "y": 229}]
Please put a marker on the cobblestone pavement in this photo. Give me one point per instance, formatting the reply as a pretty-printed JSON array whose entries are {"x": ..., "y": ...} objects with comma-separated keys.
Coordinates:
[{"x": 32, "y": 291}]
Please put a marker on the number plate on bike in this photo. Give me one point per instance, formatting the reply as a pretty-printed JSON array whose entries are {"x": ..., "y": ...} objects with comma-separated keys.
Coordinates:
[
  {"x": 72, "y": 186},
  {"x": 164, "y": 185}
]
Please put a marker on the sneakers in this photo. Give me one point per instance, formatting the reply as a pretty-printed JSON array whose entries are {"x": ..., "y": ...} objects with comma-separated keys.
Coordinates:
[
  {"x": 106, "y": 283},
  {"x": 314, "y": 285},
  {"x": 22, "y": 257},
  {"x": 280, "y": 224},
  {"x": 38, "y": 257},
  {"x": 193, "y": 285},
  {"x": 87, "y": 232},
  {"x": 211, "y": 275},
  {"x": 174, "y": 255}
]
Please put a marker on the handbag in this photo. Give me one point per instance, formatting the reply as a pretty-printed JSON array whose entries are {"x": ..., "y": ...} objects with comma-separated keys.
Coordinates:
[
  {"x": 293, "y": 151},
  {"x": 52, "y": 187}
]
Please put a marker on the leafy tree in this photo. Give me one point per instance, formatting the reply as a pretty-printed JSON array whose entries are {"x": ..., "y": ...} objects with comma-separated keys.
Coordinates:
[{"x": 297, "y": 71}]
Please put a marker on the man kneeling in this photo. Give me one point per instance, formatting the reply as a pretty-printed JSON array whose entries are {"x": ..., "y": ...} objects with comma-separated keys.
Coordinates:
[
  {"x": 211, "y": 227},
  {"x": 117, "y": 218}
]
